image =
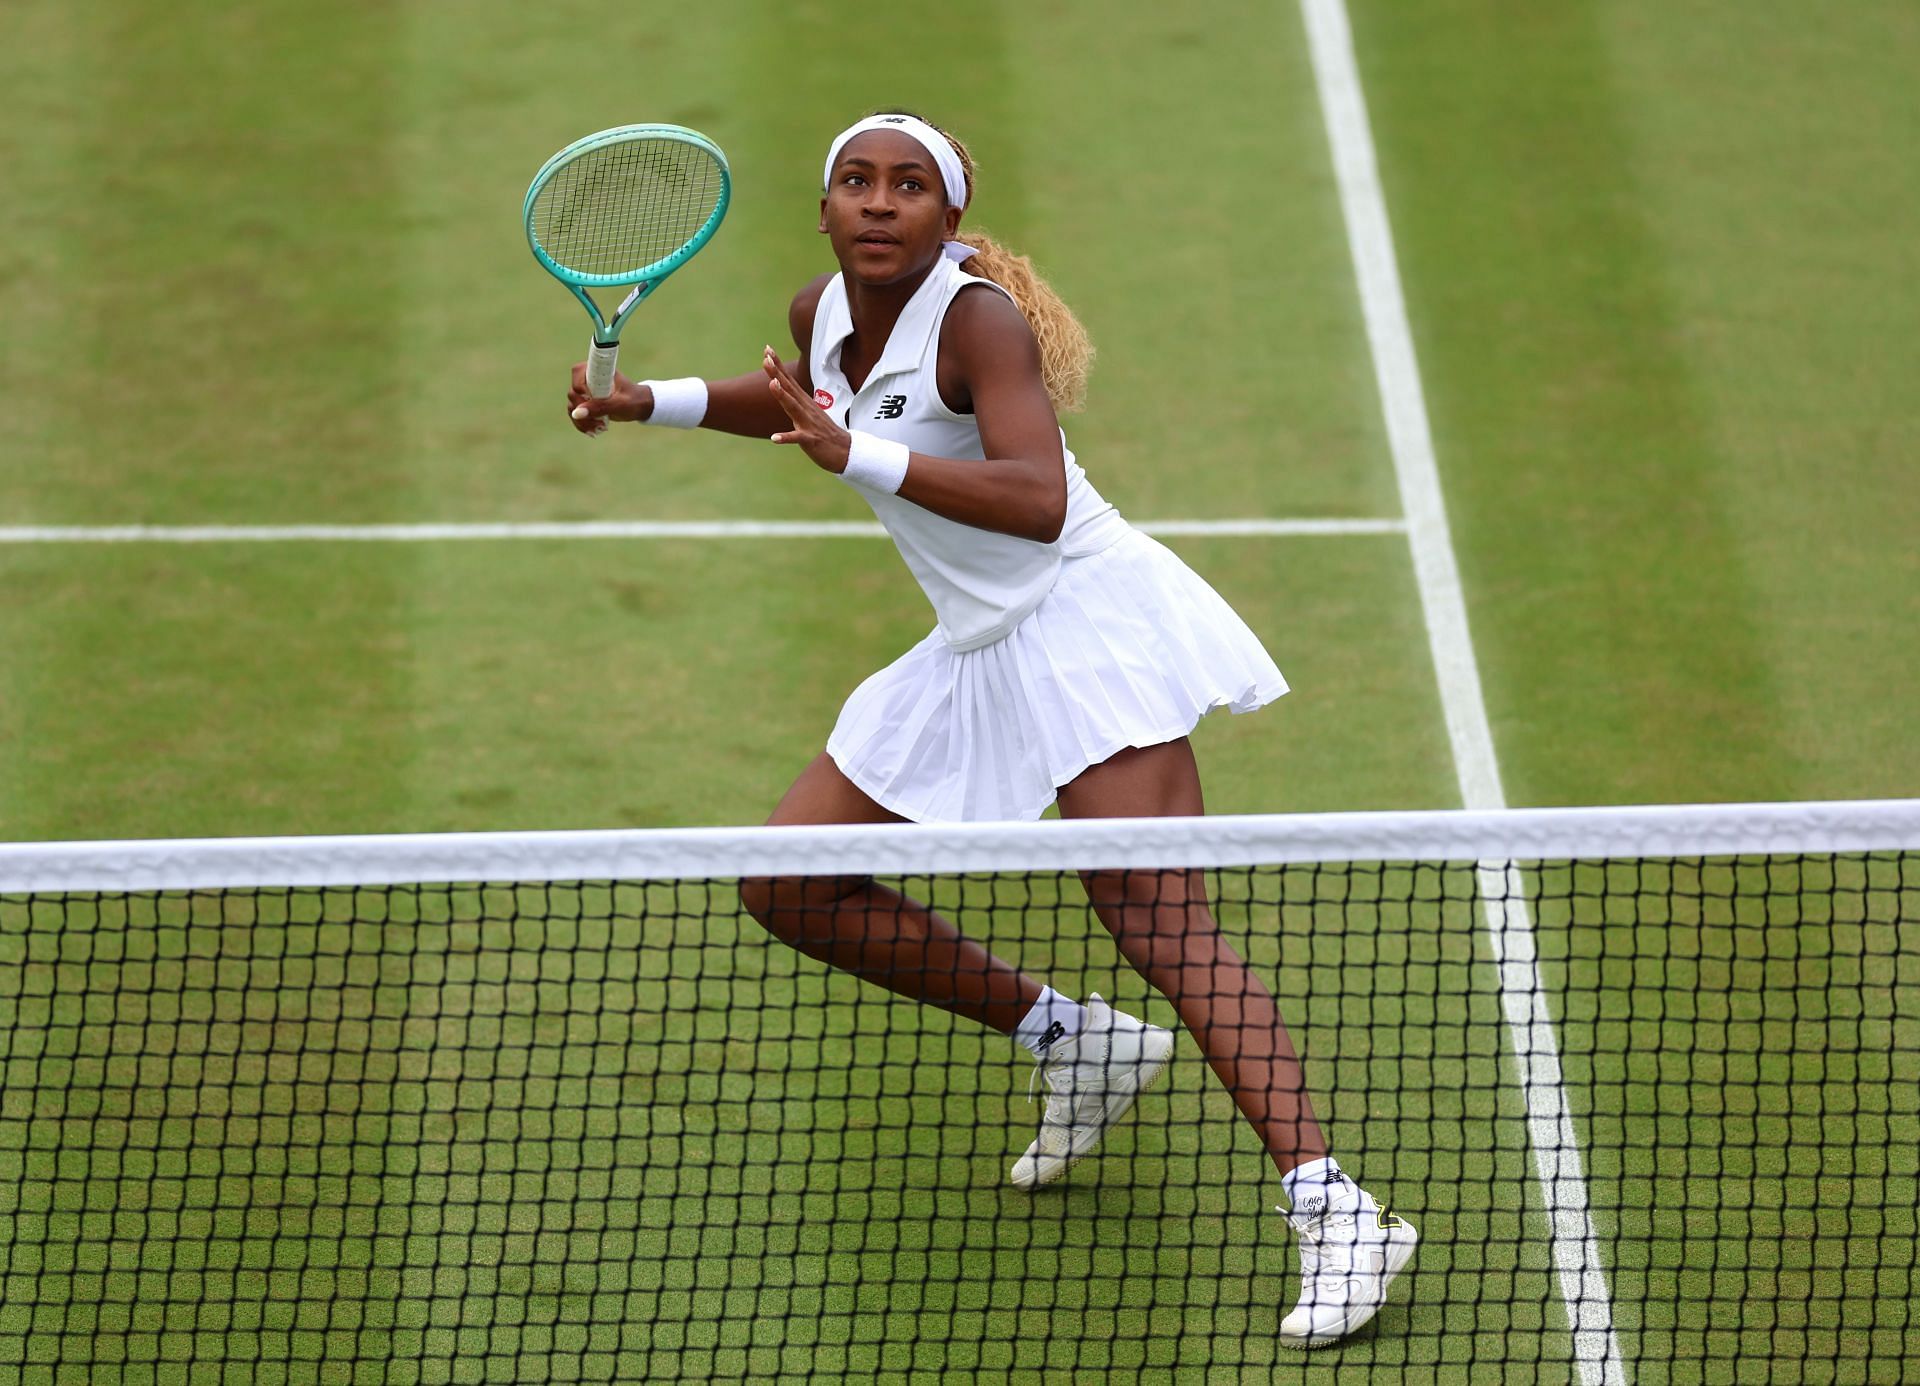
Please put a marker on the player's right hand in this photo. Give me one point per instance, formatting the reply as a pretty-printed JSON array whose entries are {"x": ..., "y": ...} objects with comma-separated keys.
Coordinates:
[{"x": 630, "y": 402}]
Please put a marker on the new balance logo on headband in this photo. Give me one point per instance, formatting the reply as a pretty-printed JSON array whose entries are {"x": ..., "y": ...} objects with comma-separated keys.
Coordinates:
[{"x": 891, "y": 407}]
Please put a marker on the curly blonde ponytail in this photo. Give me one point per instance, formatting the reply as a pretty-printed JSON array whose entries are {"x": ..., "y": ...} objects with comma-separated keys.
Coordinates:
[{"x": 1066, "y": 352}]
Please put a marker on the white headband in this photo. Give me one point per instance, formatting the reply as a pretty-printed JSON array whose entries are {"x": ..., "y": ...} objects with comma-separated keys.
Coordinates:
[{"x": 930, "y": 139}]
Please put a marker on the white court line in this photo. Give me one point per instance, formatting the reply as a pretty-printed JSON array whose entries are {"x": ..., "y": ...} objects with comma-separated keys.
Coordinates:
[
  {"x": 610, "y": 529},
  {"x": 1556, "y": 1151}
]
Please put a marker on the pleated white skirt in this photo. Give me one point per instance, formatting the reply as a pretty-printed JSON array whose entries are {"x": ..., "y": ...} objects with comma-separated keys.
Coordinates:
[{"x": 1130, "y": 648}]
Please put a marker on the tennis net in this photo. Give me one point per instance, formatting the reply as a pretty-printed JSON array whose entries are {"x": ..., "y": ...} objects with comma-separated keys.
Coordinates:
[{"x": 553, "y": 1107}]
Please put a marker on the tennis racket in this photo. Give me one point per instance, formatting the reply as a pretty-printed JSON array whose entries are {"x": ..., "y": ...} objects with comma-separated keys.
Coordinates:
[{"x": 626, "y": 206}]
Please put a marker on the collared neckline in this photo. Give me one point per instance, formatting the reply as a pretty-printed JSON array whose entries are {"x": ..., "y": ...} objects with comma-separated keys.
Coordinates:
[{"x": 907, "y": 343}]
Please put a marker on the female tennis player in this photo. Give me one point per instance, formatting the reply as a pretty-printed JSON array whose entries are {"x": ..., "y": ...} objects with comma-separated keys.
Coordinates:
[{"x": 1071, "y": 658}]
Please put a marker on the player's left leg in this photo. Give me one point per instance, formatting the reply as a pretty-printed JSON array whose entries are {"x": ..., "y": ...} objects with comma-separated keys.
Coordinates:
[{"x": 1163, "y": 922}]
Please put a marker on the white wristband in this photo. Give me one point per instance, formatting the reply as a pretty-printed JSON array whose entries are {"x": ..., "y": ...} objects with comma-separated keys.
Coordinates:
[
  {"x": 678, "y": 403},
  {"x": 876, "y": 463}
]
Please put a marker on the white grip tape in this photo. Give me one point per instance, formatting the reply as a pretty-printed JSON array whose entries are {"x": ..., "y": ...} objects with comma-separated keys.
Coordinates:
[{"x": 600, "y": 361}]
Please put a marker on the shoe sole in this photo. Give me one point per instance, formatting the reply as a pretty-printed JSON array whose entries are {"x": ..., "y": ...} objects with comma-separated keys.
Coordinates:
[
  {"x": 1398, "y": 1254},
  {"x": 1152, "y": 1072}
]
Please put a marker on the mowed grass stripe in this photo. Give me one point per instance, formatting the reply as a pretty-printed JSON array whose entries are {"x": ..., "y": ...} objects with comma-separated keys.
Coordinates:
[
  {"x": 1193, "y": 228},
  {"x": 663, "y": 682},
  {"x": 1508, "y": 918},
  {"x": 1751, "y": 1056},
  {"x": 523, "y": 1121},
  {"x": 557, "y": 686},
  {"x": 222, "y": 228},
  {"x": 1608, "y": 589},
  {"x": 1773, "y": 161},
  {"x": 1560, "y": 376},
  {"x": 238, "y": 297}
]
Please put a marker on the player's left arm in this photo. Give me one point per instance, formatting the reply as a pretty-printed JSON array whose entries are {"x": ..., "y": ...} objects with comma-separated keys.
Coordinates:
[{"x": 989, "y": 362}]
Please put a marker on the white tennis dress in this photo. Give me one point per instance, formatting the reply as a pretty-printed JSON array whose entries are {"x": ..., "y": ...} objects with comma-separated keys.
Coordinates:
[{"x": 1047, "y": 658}]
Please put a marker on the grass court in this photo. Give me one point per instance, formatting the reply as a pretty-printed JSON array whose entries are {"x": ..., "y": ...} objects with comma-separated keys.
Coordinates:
[{"x": 263, "y": 266}]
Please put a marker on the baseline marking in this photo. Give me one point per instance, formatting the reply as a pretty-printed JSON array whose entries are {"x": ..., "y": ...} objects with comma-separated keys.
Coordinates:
[
  {"x": 609, "y": 529},
  {"x": 1556, "y": 1151}
]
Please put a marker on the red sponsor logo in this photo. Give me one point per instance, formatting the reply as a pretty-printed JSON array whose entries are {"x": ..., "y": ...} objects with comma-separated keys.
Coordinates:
[{"x": 823, "y": 399}]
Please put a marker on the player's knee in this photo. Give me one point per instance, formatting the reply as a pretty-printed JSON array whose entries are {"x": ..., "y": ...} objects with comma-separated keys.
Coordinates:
[
  {"x": 775, "y": 901},
  {"x": 757, "y": 895},
  {"x": 784, "y": 905},
  {"x": 1143, "y": 895}
]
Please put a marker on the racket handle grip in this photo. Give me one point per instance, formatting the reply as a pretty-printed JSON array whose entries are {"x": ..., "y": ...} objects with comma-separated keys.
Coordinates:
[{"x": 600, "y": 361}]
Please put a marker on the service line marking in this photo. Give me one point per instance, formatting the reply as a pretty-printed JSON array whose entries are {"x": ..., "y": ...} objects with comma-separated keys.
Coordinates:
[
  {"x": 1556, "y": 1151},
  {"x": 612, "y": 529}
]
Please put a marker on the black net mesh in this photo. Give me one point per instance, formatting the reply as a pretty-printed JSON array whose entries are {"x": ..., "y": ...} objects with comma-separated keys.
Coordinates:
[
  {"x": 623, "y": 207},
  {"x": 614, "y": 1132}
]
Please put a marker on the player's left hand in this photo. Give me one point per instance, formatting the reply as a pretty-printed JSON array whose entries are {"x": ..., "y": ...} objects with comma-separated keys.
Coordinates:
[{"x": 813, "y": 427}]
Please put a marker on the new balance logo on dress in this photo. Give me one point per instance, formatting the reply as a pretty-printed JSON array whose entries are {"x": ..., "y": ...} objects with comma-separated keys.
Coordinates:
[{"x": 891, "y": 407}]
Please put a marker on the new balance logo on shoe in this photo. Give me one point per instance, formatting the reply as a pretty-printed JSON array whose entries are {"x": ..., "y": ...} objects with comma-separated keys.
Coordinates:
[
  {"x": 1054, "y": 1032},
  {"x": 1094, "y": 1077},
  {"x": 891, "y": 407}
]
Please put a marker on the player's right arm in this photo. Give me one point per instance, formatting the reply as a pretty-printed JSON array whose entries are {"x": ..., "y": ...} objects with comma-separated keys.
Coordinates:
[{"x": 738, "y": 405}]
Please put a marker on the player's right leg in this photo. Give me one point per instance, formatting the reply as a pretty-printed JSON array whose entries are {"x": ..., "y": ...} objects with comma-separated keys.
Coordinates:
[
  {"x": 1091, "y": 1055},
  {"x": 874, "y": 932}
]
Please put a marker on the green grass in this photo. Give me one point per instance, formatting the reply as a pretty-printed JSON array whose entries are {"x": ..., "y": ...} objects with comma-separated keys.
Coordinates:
[
  {"x": 1654, "y": 260},
  {"x": 606, "y": 1132},
  {"x": 610, "y": 1133},
  {"x": 442, "y": 688},
  {"x": 1743, "y": 1043},
  {"x": 262, "y": 265}
]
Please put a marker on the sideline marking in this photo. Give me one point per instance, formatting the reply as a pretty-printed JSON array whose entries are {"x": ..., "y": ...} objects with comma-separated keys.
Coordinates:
[
  {"x": 1556, "y": 1150},
  {"x": 608, "y": 529}
]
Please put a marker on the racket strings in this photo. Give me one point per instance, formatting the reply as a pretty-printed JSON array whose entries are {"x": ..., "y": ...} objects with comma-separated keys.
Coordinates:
[{"x": 622, "y": 208}]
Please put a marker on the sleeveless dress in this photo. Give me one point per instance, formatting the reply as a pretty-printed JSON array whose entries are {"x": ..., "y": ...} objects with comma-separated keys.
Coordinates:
[{"x": 1047, "y": 659}]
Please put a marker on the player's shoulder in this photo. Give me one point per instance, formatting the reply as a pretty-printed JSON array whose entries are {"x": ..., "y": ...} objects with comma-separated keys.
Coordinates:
[
  {"x": 806, "y": 303},
  {"x": 985, "y": 320},
  {"x": 991, "y": 309}
]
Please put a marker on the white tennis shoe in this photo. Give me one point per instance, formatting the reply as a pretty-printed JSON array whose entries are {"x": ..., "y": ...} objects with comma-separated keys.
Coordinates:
[
  {"x": 1348, "y": 1258},
  {"x": 1094, "y": 1077}
]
